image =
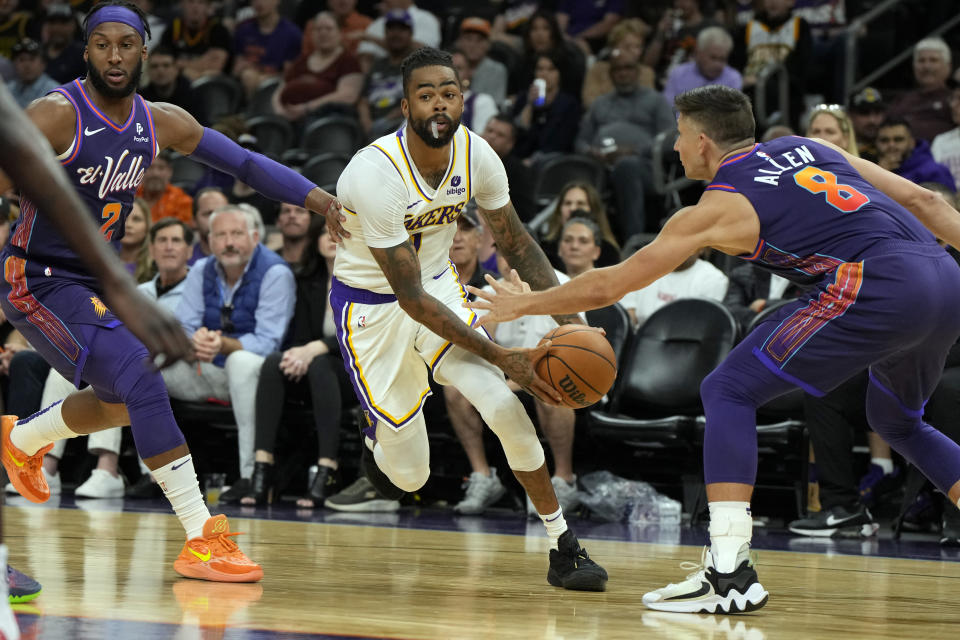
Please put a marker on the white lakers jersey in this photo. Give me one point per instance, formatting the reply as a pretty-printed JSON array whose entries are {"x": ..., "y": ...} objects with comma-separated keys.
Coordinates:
[{"x": 386, "y": 201}]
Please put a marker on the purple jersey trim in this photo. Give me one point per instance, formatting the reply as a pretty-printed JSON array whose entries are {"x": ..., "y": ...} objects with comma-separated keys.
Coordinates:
[{"x": 99, "y": 114}]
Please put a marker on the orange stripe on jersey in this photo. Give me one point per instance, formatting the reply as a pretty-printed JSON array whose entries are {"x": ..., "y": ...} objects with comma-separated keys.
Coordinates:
[{"x": 14, "y": 273}]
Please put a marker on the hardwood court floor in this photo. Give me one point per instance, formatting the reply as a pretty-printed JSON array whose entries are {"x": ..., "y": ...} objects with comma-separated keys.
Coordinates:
[{"x": 108, "y": 575}]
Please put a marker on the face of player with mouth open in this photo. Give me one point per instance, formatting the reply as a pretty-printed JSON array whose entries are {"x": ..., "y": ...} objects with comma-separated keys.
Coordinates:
[{"x": 433, "y": 96}]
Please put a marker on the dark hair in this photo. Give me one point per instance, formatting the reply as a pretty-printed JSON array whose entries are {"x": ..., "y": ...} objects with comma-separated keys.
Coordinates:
[
  {"x": 117, "y": 3},
  {"x": 164, "y": 50},
  {"x": 895, "y": 121},
  {"x": 311, "y": 262},
  {"x": 205, "y": 190},
  {"x": 725, "y": 115},
  {"x": 556, "y": 58},
  {"x": 163, "y": 223},
  {"x": 425, "y": 57},
  {"x": 556, "y": 35},
  {"x": 506, "y": 119}
]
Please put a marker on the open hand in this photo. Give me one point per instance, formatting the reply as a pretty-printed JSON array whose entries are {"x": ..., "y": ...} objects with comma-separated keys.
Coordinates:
[
  {"x": 502, "y": 304},
  {"x": 335, "y": 219}
]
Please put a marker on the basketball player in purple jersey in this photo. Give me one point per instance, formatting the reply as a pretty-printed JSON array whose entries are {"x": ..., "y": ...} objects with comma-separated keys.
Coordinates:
[
  {"x": 105, "y": 136},
  {"x": 886, "y": 299}
]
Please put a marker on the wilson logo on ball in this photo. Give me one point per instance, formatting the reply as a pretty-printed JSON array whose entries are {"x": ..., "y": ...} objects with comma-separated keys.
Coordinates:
[{"x": 569, "y": 387}]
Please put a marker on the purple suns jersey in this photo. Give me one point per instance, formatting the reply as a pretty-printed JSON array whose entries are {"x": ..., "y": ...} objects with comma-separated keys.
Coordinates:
[
  {"x": 105, "y": 163},
  {"x": 816, "y": 211}
]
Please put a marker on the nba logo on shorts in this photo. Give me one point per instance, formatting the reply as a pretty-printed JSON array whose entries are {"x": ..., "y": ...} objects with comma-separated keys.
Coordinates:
[{"x": 362, "y": 321}]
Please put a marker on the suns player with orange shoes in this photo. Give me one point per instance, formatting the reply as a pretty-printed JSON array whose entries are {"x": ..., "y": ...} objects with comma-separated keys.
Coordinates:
[{"x": 105, "y": 136}]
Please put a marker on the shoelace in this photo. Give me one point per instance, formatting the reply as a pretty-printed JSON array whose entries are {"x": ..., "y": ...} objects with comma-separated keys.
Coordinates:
[{"x": 226, "y": 545}]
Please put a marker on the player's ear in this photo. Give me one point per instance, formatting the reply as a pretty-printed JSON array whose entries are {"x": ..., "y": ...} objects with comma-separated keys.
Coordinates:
[
  {"x": 143, "y": 53},
  {"x": 405, "y": 107}
]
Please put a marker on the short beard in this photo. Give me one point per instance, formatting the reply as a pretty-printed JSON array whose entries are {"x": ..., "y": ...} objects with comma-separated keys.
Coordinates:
[
  {"x": 423, "y": 129},
  {"x": 100, "y": 84}
]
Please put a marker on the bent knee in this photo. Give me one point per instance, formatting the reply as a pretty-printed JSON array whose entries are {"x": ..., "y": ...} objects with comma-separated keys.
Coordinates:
[{"x": 410, "y": 480}]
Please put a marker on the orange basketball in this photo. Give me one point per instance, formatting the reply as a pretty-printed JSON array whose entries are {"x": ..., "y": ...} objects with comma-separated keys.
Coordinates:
[{"x": 580, "y": 364}]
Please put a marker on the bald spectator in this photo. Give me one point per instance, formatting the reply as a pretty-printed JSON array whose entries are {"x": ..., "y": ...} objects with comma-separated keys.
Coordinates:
[
  {"x": 927, "y": 107},
  {"x": 709, "y": 65},
  {"x": 485, "y": 75}
]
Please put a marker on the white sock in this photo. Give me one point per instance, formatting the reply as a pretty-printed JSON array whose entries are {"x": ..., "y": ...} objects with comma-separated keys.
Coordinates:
[
  {"x": 178, "y": 479},
  {"x": 37, "y": 431},
  {"x": 731, "y": 527},
  {"x": 555, "y": 524},
  {"x": 884, "y": 463}
]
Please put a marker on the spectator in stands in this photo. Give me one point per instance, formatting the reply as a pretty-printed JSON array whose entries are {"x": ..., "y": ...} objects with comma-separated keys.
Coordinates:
[
  {"x": 310, "y": 368},
  {"x": 675, "y": 36},
  {"x": 202, "y": 43},
  {"x": 171, "y": 243},
  {"x": 589, "y": 23},
  {"x": 579, "y": 199},
  {"x": 265, "y": 45},
  {"x": 709, "y": 65},
  {"x": 775, "y": 36},
  {"x": 164, "y": 199},
  {"x": 543, "y": 36},
  {"x": 167, "y": 82},
  {"x": 236, "y": 305},
  {"x": 619, "y": 130},
  {"x": 134, "y": 245},
  {"x": 207, "y": 200},
  {"x": 831, "y": 123},
  {"x": 580, "y": 243},
  {"x": 867, "y": 111},
  {"x": 694, "y": 278},
  {"x": 501, "y": 134},
  {"x": 776, "y": 131},
  {"x": 29, "y": 78},
  {"x": 61, "y": 47},
  {"x": 352, "y": 24},
  {"x": 926, "y": 108},
  {"x": 293, "y": 223},
  {"x": 328, "y": 76},
  {"x": 425, "y": 30},
  {"x": 15, "y": 26},
  {"x": 379, "y": 106},
  {"x": 903, "y": 154},
  {"x": 546, "y": 116},
  {"x": 483, "y": 487},
  {"x": 946, "y": 146},
  {"x": 478, "y": 108},
  {"x": 752, "y": 289},
  {"x": 511, "y": 21},
  {"x": 156, "y": 23},
  {"x": 827, "y": 20},
  {"x": 628, "y": 36},
  {"x": 485, "y": 75}
]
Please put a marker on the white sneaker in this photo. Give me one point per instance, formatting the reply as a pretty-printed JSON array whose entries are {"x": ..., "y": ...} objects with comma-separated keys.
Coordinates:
[
  {"x": 101, "y": 484},
  {"x": 706, "y": 590},
  {"x": 482, "y": 492},
  {"x": 566, "y": 495},
  {"x": 53, "y": 481}
]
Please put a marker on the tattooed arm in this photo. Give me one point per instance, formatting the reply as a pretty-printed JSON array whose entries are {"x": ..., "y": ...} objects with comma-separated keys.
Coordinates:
[
  {"x": 523, "y": 253},
  {"x": 401, "y": 266}
]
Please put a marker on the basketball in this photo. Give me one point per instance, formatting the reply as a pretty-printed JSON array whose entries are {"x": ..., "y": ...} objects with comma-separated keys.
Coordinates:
[{"x": 580, "y": 364}]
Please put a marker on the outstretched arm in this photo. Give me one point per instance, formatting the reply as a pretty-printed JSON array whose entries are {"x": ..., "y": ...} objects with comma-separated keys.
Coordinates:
[
  {"x": 180, "y": 131},
  {"x": 401, "y": 266},
  {"x": 522, "y": 253},
  {"x": 29, "y": 162},
  {"x": 722, "y": 220}
]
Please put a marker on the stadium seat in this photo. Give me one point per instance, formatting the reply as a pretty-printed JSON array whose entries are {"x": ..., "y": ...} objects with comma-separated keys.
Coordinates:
[
  {"x": 324, "y": 170},
  {"x": 558, "y": 171},
  {"x": 260, "y": 102},
  {"x": 220, "y": 96},
  {"x": 668, "y": 177},
  {"x": 186, "y": 171},
  {"x": 274, "y": 133},
  {"x": 616, "y": 322},
  {"x": 332, "y": 134}
]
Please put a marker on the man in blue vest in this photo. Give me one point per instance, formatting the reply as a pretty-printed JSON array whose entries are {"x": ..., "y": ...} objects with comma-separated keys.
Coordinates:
[{"x": 236, "y": 304}]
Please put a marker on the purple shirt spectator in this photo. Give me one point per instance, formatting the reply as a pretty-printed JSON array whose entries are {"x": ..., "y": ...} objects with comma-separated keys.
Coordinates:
[
  {"x": 269, "y": 51},
  {"x": 584, "y": 15},
  {"x": 687, "y": 76}
]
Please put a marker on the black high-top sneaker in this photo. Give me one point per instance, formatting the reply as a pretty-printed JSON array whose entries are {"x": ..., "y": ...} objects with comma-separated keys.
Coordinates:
[{"x": 571, "y": 567}]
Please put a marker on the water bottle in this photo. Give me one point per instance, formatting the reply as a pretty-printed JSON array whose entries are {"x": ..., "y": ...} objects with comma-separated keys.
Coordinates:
[{"x": 541, "y": 86}]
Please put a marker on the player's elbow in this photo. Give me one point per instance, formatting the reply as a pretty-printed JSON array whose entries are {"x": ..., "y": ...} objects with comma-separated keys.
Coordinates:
[{"x": 923, "y": 201}]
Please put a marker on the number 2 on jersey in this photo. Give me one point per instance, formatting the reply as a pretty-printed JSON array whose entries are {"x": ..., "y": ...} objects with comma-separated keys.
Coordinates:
[
  {"x": 840, "y": 196},
  {"x": 110, "y": 213}
]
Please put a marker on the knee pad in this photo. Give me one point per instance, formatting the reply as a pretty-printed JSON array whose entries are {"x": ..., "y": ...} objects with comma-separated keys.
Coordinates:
[
  {"x": 887, "y": 416},
  {"x": 404, "y": 455},
  {"x": 518, "y": 437}
]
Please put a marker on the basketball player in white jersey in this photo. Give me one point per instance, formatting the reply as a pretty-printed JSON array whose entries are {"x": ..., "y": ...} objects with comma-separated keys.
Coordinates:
[{"x": 398, "y": 303}]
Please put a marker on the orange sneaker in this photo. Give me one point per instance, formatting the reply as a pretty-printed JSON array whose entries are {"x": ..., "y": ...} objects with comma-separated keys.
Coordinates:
[
  {"x": 215, "y": 556},
  {"x": 25, "y": 472}
]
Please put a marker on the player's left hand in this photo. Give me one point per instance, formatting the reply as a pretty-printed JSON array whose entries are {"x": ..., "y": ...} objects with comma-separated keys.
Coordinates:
[
  {"x": 335, "y": 220},
  {"x": 159, "y": 331},
  {"x": 502, "y": 303},
  {"x": 519, "y": 365}
]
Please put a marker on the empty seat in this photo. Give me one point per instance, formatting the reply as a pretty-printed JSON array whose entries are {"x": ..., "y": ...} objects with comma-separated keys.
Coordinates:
[
  {"x": 220, "y": 96},
  {"x": 274, "y": 133},
  {"x": 332, "y": 134},
  {"x": 554, "y": 174}
]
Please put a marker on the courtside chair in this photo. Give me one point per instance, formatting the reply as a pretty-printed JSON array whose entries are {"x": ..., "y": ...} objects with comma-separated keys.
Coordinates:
[{"x": 558, "y": 171}]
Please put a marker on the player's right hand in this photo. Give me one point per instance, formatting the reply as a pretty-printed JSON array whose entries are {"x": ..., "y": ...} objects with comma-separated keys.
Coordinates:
[
  {"x": 519, "y": 365},
  {"x": 335, "y": 220}
]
